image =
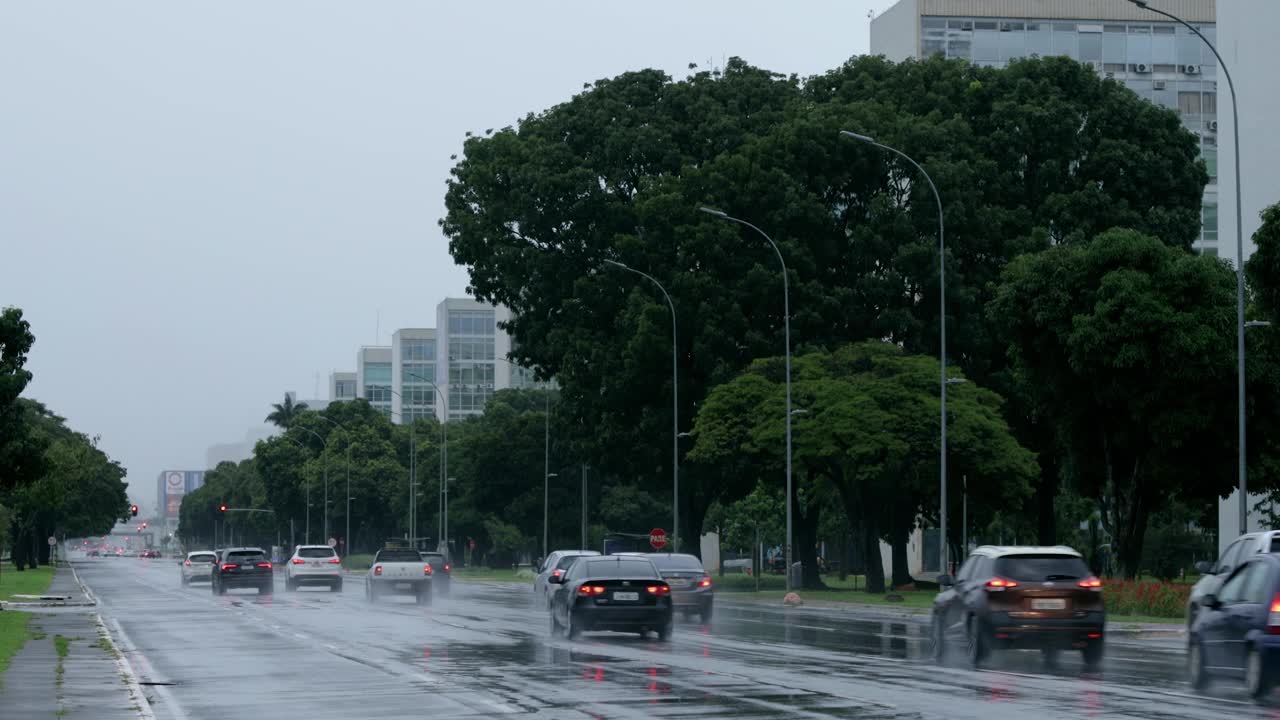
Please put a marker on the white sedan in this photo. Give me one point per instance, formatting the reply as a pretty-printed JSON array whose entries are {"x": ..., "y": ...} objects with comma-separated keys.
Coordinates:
[
  {"x": 198, "y": 566},
  {"x": 313, "y": 565}
]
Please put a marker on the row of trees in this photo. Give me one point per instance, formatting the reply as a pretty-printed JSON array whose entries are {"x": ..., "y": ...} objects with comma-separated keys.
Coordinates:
[
  {"x": 1098, "y": 347},
  {"x": 54, "y": 481}
]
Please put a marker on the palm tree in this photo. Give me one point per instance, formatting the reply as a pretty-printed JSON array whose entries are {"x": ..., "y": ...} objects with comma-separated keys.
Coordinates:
[{"x": 284, "y": 414}]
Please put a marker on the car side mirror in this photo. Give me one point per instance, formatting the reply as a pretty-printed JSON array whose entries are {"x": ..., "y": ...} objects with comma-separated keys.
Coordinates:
[
  {"x": 946, "y": 580},
  {"x": 555, "y": 579},
  {"x": 1211, "y": 601},
  {"x": 1204, "y": 568}
]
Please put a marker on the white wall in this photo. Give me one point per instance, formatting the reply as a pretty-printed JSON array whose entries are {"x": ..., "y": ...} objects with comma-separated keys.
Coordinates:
[
  {"x": 895, "y": 33},
  {"x": 1247, "y": 42},
  {"x": 1229, "y": 518}
]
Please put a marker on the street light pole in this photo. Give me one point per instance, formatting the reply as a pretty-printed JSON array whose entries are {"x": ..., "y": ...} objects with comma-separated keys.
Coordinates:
[
  {"x": 675, "y": 405},
  {"x": 942, "y": 332},
  {"x": 346, "y": 538},
  {"x": 786, "y": 323},
  {"x": 325, "y": 455},
  {"x": 1240, "y": 323},
  {"x": 546, "y": 452},
  {"x": 444, "y": 459}
]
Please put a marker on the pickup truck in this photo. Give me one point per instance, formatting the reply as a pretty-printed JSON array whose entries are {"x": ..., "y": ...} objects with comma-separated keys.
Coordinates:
[{"x": 398, "y": 571}]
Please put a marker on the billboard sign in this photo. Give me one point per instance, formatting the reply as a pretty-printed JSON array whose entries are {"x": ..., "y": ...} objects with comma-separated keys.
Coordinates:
[{"x": 175, "y": 486}]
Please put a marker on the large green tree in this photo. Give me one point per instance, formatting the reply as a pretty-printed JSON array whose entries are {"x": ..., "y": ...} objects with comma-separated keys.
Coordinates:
[
  {"x": 1041, "y": 152},
  {"x": 1128, "y": 345}
]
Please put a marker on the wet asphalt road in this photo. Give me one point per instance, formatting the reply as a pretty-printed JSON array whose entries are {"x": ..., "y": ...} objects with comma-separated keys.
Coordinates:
[{"x": 486, "y": 652}]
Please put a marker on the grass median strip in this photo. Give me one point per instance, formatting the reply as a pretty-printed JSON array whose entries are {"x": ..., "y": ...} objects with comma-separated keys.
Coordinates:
[
  {"x": 27, "y": 582},
  {"x": 14, "y": 632}
]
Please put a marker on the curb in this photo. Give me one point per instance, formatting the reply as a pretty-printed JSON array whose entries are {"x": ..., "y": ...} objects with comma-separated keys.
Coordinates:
[
  {"x": 93, "y": 599},
  {"x": 126, "y": 670}
]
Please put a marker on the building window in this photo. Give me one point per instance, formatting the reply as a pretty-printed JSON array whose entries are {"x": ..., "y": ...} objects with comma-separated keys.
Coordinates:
[
  {"x": 418, "y": 349},
  {"x": 1211, "y": 163},
  {"x": 1210, "y": 234}
]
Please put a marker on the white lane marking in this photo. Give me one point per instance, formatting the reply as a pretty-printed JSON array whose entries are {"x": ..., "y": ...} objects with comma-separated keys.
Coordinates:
[
  {"x": 171, "y": 705},
  {"x": 126, "y": 671}
]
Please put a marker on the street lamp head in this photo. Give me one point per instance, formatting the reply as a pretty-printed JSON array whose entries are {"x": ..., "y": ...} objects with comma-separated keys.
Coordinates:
[
  {"x": 1139, "y": 3},
  {"x": 1258, "y": 323},
  {"x": 712, "y": 211},
  {"x": 615, "y": 262},
  {"x": 956, "y": 381},
  {"x": 800, "y": 411},
  {"x": 856, "y": 136},
  {"x": 551, "y": 475}
]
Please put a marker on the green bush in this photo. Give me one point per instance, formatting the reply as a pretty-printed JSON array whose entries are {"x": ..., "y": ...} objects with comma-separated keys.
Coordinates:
[
  {"x": 1146, "y": 597},
  {"x": 357, "y": 562}
]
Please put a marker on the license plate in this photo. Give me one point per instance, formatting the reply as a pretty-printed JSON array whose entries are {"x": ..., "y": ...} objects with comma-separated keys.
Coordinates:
[
  {"x": 1049, "y": 604},
  {"x": 631, "y": 596},
  {"x": 678, "y": 582},
  {"x": 315, "y": 564},
  {"x": 403, "y": 586}
]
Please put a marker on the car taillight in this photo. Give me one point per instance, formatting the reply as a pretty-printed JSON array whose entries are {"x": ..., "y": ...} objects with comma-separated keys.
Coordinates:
[
  {"x": 266, "y": 565},
  {"x": 659, "y": 589},
  {"x": 1273, "y": 617},
  {"x": 705, "y": 581},
  {"x": 558, "y": 572},
  {"x": 1090, "y": 583},
  {"x": 229, "y": 566},
  {"x": 1000, "y": 584},
  {"x": 447, "y": 567},
  {"x": 299, "y": 561},
  {"x": 589, "y": 590},
  {"x": 188, "y": 563},
  {"x": 377, "y": 569},
  {"x": 335, "y": 560},
  {"x": 426, "y": 569}
]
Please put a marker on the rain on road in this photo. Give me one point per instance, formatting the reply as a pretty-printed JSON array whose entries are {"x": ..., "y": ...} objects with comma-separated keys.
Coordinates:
[{"x": 486, "y": 651}]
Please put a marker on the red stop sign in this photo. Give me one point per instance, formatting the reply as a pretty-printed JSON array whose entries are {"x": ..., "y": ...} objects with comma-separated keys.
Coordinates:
[{"x": 658, "y": 538}]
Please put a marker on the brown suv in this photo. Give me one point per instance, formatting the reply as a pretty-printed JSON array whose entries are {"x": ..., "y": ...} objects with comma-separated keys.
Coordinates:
[{"x": 1020, "y": 597}]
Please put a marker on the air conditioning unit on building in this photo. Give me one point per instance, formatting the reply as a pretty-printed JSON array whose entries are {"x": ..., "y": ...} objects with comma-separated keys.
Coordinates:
[
  {"x": 1096, "y": 65},
  {"x": 1191, "y": 69},
  {"x": 1142, "y": 68},
  {"x": 1110, "y": 75},
  {"x": 1158, "y": 85},
  {"x": 1212, "y": 125}
]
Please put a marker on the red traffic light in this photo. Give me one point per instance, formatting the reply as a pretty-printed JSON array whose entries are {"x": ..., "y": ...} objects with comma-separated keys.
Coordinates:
[
  {"x": 222, "y": 507},
  {"x": 134, "y": 510}
]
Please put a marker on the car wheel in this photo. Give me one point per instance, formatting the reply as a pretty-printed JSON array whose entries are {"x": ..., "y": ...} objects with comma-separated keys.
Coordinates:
[
  {"x": 266, "y": 589},
  {"x": 555, "y": 624},
  {"x": 939, "y": 641},
  {"x": 185, "y": 582},
  {"x": 222, "y": 589},
  {"x": 1256, "y": 678},
  {"x": 664, "y": 632},
  {"x": 571, "y": 628},
  {"x": 705, "y": 614},
  {"x": 1092, "y": 655},
  {"x": 373, "y": 592},
  {"x": 424, "y": 597},
  {"x": 289, "y": 586},
  {"x": 1197, "y": 671},
  {"x": 336, "y": 587},
  {"x": 1050, "y": 656},
  {"x": 979, "y": 646}
]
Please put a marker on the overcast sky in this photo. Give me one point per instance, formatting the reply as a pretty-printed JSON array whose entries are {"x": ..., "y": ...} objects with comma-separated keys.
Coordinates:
[{"x": 203, "y": 205}]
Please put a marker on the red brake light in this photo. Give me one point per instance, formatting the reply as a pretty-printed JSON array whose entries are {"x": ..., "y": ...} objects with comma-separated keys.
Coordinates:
[
  {"x": 377, "y": 570},
  {"x": 299, "y": 561},
  {"x": 447, "y": 567},
  {"x": 1273, "y": 617},
  {"x": 659, "y": 589},
  {"x": 229, "y": 566},
  {"x": 558, "y": 572},
  {"x": 266, "y": 565},
  {"x": 188, "y": 563},
  {"x": 335, "y": 560},
  {"x": 588, "y": 590},
  {"x": 1092, "y": 583},
  {"x": 1000, "y": 584},
  {"x": 426, "y": 569},
  {"x": 705, "y": 582}
]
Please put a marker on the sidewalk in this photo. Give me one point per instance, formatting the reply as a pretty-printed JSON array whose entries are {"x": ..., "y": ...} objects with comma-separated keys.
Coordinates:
[{"x": 71, "y": 667}]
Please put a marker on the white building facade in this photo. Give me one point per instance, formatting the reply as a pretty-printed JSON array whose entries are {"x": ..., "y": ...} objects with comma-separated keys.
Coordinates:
[
  {"x": 413, "y": 373},
  {"x": 373, "y": 376},
  {"x": 1154, "y": 57},
  {"x": 342, "y": 386}
]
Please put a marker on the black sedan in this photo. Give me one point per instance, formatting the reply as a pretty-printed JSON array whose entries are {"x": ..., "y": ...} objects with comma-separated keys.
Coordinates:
[
  {"x": 1236, "y": 634},
  {"x": 623, "y": 593},
  {"x": 242, "y": 568}
]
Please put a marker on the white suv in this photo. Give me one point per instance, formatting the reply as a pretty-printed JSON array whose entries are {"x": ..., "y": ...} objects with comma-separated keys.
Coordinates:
[
  {"x": 313, "y": 565},
  {"x": 198, "y": 566}
]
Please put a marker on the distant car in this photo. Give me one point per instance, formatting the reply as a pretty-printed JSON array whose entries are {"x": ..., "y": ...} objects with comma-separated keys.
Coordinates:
[
  {"x": 95, "y": 553},
  {"x": 399, "y": 570},
  {"x": 555, "y": 564},
  {"x": 1020, "y": 597},
  {"x": 623, "y": 593},
  {"x": 1237, "y": 631},
  {"x": 691, "y": 590},
  {"x": 1240, "y": 551},
  {"x": 198, "y": 566},
  {"x": 149, "y": 554},
  {"x": 246, "y": 567},
  {"x": 441, "y": 572},
  {"x": 313, "y": 565}
]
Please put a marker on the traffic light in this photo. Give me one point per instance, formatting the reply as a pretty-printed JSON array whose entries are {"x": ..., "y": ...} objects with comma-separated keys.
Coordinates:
[
  {"x": 222, "y": 507},
  {"x": 133, "y": 510}
]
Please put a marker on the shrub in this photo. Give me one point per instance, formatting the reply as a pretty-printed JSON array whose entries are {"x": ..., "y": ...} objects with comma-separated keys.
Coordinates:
[{"x": 1146, "y": 597}]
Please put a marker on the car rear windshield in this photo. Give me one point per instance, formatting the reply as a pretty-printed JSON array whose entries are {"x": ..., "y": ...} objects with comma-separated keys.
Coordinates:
[
  {"x": 435, "y": 558},
  {"x": 204, "y": 557},
  {"x": 621, "y": 568},
  {"x": 676, "y": 562},
  {"x": 1032, "y": 568},
  {"x": 398, "y": 556},
  {"x": 315, "y": 552},
  {"x": 566, "y": 561},
  {"x": 246, "y": 556}
]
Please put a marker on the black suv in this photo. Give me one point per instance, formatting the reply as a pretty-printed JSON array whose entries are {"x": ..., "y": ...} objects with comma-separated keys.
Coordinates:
[
  {"x": 1020, "y": 597},
  {"x": 441, "y": 571},
  {"x": 245, "y": 567}
]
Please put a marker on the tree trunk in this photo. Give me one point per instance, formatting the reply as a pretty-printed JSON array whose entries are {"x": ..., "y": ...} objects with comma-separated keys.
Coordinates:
[
  {"x": 869, "y": 523},
  {"x": 1046, "y": 494},
  {"x": 806, "y": 539},
  {"x": 899, "y": 534}
]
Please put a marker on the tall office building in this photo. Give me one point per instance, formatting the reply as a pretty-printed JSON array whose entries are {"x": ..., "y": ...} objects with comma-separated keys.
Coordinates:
[
  {"x": 373, "y": 376},
  {"x": 1157, "y": 59},
  {"x": 469, "y": 342},
  {"x": 342, "y": 386},
  {"x": 413, "y": 372}
]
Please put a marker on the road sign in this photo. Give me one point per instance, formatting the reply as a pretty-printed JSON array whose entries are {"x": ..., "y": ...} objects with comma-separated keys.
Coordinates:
[
  {"x": 52, "y": 541},
  {"x": 333, "y": 542},
  {"x": 658, "y": 538}
]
